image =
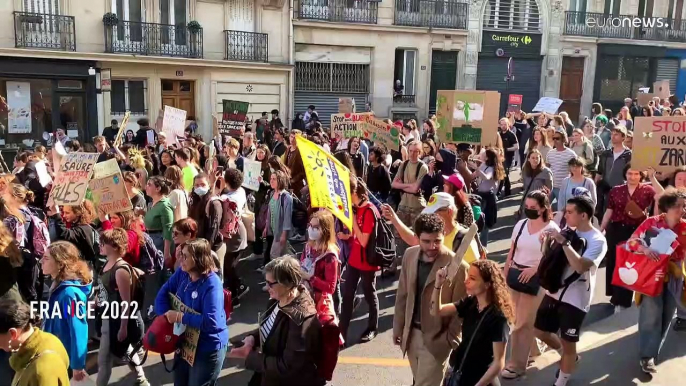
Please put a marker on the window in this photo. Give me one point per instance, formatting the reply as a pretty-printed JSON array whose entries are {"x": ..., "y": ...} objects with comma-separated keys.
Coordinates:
[
  {"x": 645, "y": 8},
  {"x": 51, "y": 7},
  {"x": 675, "y": 9},
  {"x": 577, "y": 5},
  {"x": 513, "y": 15},
  {"x": 128, "y": 95},
  {"x": 332, "y": 77},
  {"x": 405, "y": 61},
  {"x": 612, "y": 7}
]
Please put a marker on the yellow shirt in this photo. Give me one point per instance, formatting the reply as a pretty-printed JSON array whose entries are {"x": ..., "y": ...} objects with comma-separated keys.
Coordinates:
[
  {"x": 189, "y": 173},
  {"x": 471, "y": 253}
]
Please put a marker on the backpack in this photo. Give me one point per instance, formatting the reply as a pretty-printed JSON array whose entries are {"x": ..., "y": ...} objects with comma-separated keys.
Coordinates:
[
  {"x": 30, "y": 278},
  {"x": 151, "y": 258},
  {"x": 396, "y": 194},
  {"x": 137, "y": 285},
  {"x": 380, "y": 250},
  {"x": 226, "y": 208},
  {"x": 554, "y": 262}
]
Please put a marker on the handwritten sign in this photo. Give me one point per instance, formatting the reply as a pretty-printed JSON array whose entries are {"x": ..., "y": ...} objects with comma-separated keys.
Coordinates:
[
  {"x": 71, "y": 182},
  {"x": 173, "y": 124},
  {"x": 190, "y": 337},
  {"x": 349, "y": 125},
  {"x": 661, "y": 88},
  {"x": 468, "y": 116},
  {"x": 346, "y": 105},
  {"x": 382, "y": 132},
  {"x": 233, "y": 118},
  {"x": 659, "y": 142},
  {"x": 109, "y": 194},
  {"x": 252, "y": 171},
  {"x": 548, "y": 105},
  {"x": 107, "y": 168}
]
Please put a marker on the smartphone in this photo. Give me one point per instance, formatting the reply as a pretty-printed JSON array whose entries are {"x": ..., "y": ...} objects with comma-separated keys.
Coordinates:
[{"x": 220, "y": 169}]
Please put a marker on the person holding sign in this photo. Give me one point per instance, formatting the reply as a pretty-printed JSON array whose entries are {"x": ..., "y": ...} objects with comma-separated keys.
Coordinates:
[{"x": 199, "y": 288}]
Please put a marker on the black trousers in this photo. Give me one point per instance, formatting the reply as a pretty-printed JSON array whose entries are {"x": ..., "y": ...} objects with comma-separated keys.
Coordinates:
[
  {"x": 615, "y": 234},
  {"x": 351, "y": 278},
  {"x": 231, "y": 279}
]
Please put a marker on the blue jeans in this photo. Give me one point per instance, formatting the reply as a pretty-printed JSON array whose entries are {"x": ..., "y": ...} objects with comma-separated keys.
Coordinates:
[
  {"x": 655, "y": 316},
  {"x": 205, "y": 372},
  {"x": 158, "y": 240},
  {"x": 553, "y": 197},
  {"x": 483, "y": 236}
]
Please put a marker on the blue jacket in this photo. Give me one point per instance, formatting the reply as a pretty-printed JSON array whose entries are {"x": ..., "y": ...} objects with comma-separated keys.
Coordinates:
[
  {"x": 72, "y": 331},
  {"x": 208, "y": 302}
]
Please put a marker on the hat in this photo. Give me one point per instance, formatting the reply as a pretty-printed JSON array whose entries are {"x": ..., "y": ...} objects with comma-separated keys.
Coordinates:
[
  {"x": 438, "y": 201},
  {"x": 456, "y": 180}
]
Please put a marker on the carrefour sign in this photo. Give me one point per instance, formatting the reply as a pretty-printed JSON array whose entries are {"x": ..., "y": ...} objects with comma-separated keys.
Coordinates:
[{"x": 511, "y": 44}]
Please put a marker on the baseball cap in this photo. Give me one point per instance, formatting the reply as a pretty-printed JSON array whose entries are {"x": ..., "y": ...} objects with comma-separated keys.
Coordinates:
[
  {"x": 438, "y": 201},
  {"x": 456, "y": 180}
]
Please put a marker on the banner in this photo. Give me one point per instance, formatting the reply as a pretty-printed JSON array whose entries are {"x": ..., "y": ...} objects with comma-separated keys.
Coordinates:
[
  {"x": 233, "y": 117},
  {"x": 19, "y": 107},
  {"x": 468, "y": 116},
  {"x": 174, "y": 124},
  {"x": 122, "y": 128},
  {"x": 347, "y": 126},
  {"x": 190, "y": 337},
  {"x": 109, "y": 194},
  {"x": 252, "y": 171},
  {"x": 346, "y": 105},
  {"x": 659, "y": 142},
  {"x": 71, "y": 182},
  {"x": 382, "y": 133},
  {"x": 514, "y": 103},
  {"x": 328, "y": 179},
  {"x": 547, "y": 105}
]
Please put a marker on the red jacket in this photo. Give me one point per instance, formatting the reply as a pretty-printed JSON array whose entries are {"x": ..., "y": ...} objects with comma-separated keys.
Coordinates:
[{"x": 133, "y": 249}]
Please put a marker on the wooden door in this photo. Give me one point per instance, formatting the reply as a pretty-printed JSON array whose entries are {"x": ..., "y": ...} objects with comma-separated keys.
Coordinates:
[
  {"x": 571, "y": 87},
  {"x": 443, "y": 74},
  {"x": 179, "y": 94}
]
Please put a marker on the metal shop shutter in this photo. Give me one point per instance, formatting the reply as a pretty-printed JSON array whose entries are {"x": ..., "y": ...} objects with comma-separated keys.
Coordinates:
[
  {"x": 491, "y": 74},
  {"x": 326, "y": 103},
  {"x": 668, "y": 69}
]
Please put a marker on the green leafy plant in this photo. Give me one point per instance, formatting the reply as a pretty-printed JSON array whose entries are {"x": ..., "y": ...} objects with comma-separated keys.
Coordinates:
[
  {"x": 110, "y": 19},
  {"x": 194, "y": 26}
]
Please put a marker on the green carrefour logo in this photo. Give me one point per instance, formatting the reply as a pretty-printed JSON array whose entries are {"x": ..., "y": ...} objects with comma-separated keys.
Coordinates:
[{"x": 526, "y": 39}]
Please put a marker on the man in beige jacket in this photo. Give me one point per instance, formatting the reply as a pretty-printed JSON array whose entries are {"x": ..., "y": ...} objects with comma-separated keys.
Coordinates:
[{"x": 426, "y": 339}]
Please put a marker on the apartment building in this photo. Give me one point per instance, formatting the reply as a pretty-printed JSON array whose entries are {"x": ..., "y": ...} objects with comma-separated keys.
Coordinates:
[{"x": 76, "y": 64}]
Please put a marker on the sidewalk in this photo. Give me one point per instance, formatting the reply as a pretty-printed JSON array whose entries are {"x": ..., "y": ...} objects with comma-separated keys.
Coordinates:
[{"x": 609, "y": 356}]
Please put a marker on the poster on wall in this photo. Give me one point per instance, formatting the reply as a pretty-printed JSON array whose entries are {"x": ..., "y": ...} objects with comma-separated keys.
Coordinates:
[
  {"x": 233, "y": 117},
  {"x": 659, "y": 142},
  {"x": 468, "y": 116},
  {"x": 19, "y": 107}
]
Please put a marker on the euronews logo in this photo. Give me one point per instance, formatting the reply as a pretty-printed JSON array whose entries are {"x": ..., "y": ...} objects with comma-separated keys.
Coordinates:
[{"x": 627, "y": 22}]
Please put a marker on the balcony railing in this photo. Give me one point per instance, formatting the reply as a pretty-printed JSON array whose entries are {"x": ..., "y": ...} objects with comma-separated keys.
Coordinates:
[
  {"x": 45, "y": 31},
  {"x": 404, "y": 100},
  {"x": 632, "y": 27},
  {"x": 452, "y": 14},
  {"x": 248, "y": 46},
  {"x": 132, "y": 37},
  {"x": 346, "y": 11}
]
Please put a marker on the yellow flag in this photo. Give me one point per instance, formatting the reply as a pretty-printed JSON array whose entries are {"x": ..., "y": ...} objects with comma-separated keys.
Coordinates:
[{"x": 328, "y": 179}]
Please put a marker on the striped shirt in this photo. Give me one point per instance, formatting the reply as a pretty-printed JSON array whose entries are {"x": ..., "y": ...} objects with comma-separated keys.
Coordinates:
[
  {"x": 267, "y": 325},
  {"x": 558, "y": 161}
]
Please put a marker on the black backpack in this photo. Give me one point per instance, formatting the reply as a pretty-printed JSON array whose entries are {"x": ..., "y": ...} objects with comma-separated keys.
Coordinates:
[
  {"x": 380, "y": 250},
  {"x": 554, "y": 262}
]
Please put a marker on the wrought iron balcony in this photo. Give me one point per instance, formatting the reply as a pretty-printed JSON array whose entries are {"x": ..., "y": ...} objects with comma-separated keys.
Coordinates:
[
  {"x": 452, "y": 14},
  {"x": 248, "y": 46},
  {"x": 631, "y": 27},
  {"x": 45, "y": 31},
  {"x": 404, "y": 100},
  {"x": 132, "y": 37},
  {"x": 345, "y": 11}
]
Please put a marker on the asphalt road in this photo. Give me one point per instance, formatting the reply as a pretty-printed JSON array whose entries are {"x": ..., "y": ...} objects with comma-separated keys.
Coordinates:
[{"x": 378, "y": 362}]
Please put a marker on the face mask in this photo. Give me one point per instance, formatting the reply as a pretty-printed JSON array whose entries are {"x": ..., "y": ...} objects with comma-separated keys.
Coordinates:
[
  {"x": 201, "y": 191},
  {"x": 314, "y": 234},
  {"x": 531, "y": 214}
]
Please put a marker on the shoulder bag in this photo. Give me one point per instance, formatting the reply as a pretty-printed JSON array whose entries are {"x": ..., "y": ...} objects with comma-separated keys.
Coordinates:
[
  {"x": 532, "y": 286},
  {"x": 454, "y": 378}
]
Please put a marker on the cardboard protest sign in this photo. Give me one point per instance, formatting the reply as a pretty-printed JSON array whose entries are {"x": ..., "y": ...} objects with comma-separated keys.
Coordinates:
[
  {"x": 661, "y": 88},
  {"x": 659, "y": 142},
  {"x": 514, "y": 103},
  {"x": 349, "y": 125},
  {"x": 233, "y": 117},
  {"x": 346, "y": 105},
  {"x": 190, "y": 337},
  {"x": 107, "y": 168},
  {"x": 468, "y": 116},
  {"x": 645, "y": 98},
  {"x": 252, "y": 171},
  {"x": 382, "y": 132},
  {"x": 109, "y": 194},
  {"x": 174, "y": 124},
  {"x": 122, "y": 128},
  {"x": 548, "y": 105},
  {"x": 71, "y": 181}
]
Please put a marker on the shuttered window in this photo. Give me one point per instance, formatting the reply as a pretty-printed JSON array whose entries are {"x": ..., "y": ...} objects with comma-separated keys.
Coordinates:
[
  {"x": 332, "y": 77},
  {"x": 512, "y": 15}
]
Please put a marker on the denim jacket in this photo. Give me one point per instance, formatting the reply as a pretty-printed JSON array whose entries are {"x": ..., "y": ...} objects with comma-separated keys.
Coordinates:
[{"x": 283, "y": 217}]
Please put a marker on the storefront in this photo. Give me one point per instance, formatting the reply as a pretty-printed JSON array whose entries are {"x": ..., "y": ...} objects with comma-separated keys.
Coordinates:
[
  {"x": 40, "y": 96},
  {"x": 497, "y": 47}
]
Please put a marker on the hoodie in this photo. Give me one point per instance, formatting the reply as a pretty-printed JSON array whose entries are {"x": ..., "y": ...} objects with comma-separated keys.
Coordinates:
[{"x": 72, "y": 331}]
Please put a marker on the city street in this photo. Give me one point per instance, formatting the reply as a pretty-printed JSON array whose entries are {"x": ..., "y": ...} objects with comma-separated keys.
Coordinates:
[{"x": 378, "y": 360}]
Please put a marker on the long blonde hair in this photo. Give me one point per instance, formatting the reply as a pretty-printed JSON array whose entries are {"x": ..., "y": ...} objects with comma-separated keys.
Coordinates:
[
  {"x": 68, "y": 259},
  {"x": 9, "y": 248},
  {"x": 327, "y": 241}
]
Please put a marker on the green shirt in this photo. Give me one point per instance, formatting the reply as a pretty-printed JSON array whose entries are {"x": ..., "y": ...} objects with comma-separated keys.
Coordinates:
[
  {"x": 160, "y": 218},
  {"x": 189, "y": 173},
  {"x": 273, "y": 211}
]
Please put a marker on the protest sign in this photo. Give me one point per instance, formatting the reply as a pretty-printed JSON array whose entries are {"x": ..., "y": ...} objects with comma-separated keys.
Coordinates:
[
  {"x": 349, "y": 125},
  {"x": 328, "y": 179},
  {"x": 659, "y": 142},
  {"x": 645, "y": 98},
  {"x": 661, "y": 88},
  {"x": 109, "y": 194},
  {"x": 122, "y": 128},
  {"x": 233, "y": 117},
  {"x": 71, "y": 181},
  {"x": 252, "y": 171},
  {"x": 548, "y": 105},
  {"x": 514, "y": 103},
  {"x": 382, "y": 132},
  {"x": 468, "y": 116},
  {"x": 190, "y": 337},
  {"x": 173, "y": 124},
  {"x": 346, "y": 105},
  {"x": 107, "y": 168}
]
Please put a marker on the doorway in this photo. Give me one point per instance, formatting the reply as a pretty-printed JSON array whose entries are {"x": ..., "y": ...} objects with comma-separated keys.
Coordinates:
[
  {"x": 571, "y": 86},
  {"x": 443, "y": 74},
  {"x": 179, "y": 94}
]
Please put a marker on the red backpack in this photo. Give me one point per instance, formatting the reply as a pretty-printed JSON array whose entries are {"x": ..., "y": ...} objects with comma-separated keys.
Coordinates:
[{"x": 160, "y": 336}]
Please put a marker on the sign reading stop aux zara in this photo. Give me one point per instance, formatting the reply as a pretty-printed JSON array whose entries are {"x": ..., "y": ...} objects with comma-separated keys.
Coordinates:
[{"x": 660, "y": 143}]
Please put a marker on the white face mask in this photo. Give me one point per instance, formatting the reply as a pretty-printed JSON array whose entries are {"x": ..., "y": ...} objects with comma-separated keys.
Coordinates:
[
  {"x": 201, "y": 191},
  {"x": 314, "y": 234}
]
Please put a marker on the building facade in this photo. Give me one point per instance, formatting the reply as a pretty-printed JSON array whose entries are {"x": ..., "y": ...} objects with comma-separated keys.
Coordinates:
[{"x": 77, "y": 64}]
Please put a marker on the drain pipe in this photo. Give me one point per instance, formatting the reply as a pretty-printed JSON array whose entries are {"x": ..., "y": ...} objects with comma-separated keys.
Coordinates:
[{"x": 291, "y": 61}]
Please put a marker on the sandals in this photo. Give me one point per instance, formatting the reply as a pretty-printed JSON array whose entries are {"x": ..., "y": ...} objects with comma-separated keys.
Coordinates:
[{"x": 510, "y": 374}]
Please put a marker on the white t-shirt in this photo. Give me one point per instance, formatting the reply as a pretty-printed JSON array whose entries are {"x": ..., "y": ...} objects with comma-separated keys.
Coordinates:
[
  {"x": 178, "y": 198},
  {"x": 239, "y": 198},
  {"x": 580, "y": 292},
  {"x": 528, "y": 252}
]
